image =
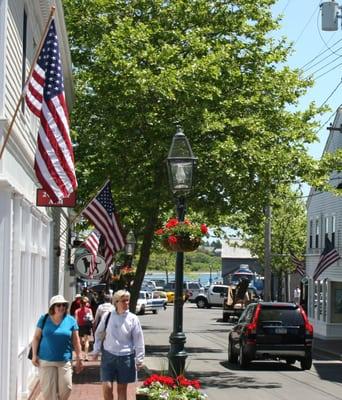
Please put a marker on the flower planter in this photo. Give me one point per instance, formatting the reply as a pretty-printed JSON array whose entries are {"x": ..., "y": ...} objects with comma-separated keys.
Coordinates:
[
  {"x": 142, "y": 396},
  {"x": 184, "y": 244}
]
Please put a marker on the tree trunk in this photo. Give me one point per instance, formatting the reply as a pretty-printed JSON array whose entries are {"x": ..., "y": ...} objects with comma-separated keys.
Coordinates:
[{"x": 144, "y": 257}]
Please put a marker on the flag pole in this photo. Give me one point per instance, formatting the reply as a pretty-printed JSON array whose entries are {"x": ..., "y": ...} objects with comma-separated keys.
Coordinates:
[
  {"x": 22, "y": 96},
  {"x": 80, "y": 212}
]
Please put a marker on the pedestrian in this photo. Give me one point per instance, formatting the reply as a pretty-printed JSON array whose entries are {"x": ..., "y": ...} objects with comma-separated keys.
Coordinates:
[
  {"x": 84, "y": 317},
  {"x": 55, "y": 337},
  {"x": 75, "y": 304},
  {"x": 103, "y": 308},
  {"x": 296, "y": 295},
  {"x": 122, "y": 348}
]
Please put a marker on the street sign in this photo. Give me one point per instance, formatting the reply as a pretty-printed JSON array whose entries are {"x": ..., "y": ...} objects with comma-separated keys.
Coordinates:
[
  {"x": 44, "y": 200},
  {"x": 82, "y": 265}
]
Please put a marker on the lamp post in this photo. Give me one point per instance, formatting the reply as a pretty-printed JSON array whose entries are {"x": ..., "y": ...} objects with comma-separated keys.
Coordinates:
[
  {"x": 180, "y": 165},
  {"x": 130, "y": 247}
]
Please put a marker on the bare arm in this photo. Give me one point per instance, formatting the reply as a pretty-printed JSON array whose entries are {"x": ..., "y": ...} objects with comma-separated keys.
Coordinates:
[
  {"x": 78, "y": 351},
  {"x": 35, "y": 344}
]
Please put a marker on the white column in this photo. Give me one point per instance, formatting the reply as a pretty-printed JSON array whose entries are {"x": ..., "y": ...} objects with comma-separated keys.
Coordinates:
[{"x": 6, "y": 213}]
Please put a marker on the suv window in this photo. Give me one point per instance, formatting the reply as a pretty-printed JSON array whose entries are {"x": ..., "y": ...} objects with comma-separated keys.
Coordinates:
[
  {"x": 288, "y": 316},
  {"x": 194, "y": 285},
  {"x": 219, "y": 289}
]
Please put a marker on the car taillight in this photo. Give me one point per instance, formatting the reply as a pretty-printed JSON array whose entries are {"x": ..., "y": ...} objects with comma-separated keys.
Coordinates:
[
  {"x": 251, "y": 327},
  {"x": 307, "y": 326}
]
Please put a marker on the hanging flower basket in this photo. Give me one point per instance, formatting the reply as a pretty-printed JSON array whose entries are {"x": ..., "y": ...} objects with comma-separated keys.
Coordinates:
[
  {"x": 183, "y": 244},
  {"x": 181, "y": 236}
]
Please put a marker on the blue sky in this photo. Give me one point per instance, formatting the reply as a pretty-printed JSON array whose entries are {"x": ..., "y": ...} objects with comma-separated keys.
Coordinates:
[{"x": 301, "y": 24}]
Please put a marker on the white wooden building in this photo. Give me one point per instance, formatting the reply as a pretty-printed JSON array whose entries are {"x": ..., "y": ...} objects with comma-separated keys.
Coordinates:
[
  {"x": 30, "y": 268},
  {"x": 325, "y": 219}
]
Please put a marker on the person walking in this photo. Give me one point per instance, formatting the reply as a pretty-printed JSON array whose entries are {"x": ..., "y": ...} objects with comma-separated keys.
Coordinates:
[
  {"x": 75, "y": 304},
  {"x": 122, "y": 348},
  {"x": 103, "y": 308},
  {"x": 84, "y": 317},
  {"x": 55, "y": 337},
  {"x": 296, "y": 295}
]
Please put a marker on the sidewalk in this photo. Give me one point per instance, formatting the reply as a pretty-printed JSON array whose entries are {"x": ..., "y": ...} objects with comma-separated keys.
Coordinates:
[
  {"x": 87, "y": 385},
  {"x": 330, "y": 348}
]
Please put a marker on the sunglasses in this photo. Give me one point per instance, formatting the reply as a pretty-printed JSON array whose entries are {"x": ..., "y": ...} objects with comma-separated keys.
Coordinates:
[{"x": 60, "y": 305}]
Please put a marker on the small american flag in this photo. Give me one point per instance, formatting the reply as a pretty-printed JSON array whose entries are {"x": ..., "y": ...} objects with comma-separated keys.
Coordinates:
[
  {"x": 300, "y": 264},
  {"x": 54, "y": 159},
  {"x": 328, "y": 257},
  {"x": 101, "y": 212},
  {"x": 92, "y": 244}
]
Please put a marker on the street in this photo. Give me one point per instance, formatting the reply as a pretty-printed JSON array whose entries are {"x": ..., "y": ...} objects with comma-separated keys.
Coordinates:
[{"x": 206, "y": 346}]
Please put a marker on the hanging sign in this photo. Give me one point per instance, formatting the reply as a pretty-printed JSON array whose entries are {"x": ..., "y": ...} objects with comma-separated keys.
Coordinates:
[
  {"x": 82, "y": 266},
  {"x": 44, "y": 200}
]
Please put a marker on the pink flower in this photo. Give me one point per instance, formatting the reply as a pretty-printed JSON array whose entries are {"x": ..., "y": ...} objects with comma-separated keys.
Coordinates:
[{"x": 159, "y": 231}]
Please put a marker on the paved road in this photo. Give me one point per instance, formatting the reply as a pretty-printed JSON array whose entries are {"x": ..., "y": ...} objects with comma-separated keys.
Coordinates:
[{"x": 207, "y": 349}]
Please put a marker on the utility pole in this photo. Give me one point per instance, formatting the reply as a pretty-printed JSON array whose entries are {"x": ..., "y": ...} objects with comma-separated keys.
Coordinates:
[{"x": 267, "y": 255}]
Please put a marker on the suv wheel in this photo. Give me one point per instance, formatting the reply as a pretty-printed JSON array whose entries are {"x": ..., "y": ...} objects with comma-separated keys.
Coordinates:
[
  {"x": 243, "y": 360},
  {"x": 142, "y": 310},
  {"x": 232, "y": 357},
  {"x": 202, "y": 303},
  {"x": 225, "y": 317},
  {"x": 290, "y": 360},
  {"x": 306, "y": 362}
]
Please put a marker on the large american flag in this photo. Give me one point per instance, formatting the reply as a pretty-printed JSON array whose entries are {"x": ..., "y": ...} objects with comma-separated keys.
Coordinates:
[
  {"x": 54, "y": 159},
  {"x": 92, "y": 244},
  {"x": 328, "y": 257},
  {"x": 101, "y": 212},
  {"x": 299, "y": 264}
]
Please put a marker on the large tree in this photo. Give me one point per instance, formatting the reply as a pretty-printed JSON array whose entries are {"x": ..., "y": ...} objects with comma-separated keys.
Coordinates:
[{"x": 144, "y": 66}]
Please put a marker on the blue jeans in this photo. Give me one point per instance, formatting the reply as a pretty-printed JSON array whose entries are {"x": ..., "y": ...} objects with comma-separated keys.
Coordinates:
[{"x": 120, "y": 369}]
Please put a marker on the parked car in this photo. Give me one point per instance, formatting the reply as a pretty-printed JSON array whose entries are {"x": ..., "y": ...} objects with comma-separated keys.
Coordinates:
[
  {"x": 271, "y": 331},
  {"x": 160, "y": 294},
  {"x": 214, "y": 296},
  {"x": 146, "y": 302},
  {"x": 190, "y": 289}
]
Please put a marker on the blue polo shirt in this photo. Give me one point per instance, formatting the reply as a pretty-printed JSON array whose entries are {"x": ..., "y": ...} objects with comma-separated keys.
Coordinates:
[{"x": 56, "y": 341}]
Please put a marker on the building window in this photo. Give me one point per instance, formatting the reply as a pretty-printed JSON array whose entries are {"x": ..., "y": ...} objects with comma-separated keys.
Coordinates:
[
  {"x": 326, "y": 228},
  {"x": 310, "y": 233},
  {"x": 23, "y": 62},
  {"x": 333, "y": 229},
  {"x": 317, "y": 234}
]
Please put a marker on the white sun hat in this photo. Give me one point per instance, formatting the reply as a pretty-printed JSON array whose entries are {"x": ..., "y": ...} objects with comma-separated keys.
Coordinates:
[{"x": 57, "y": 299}]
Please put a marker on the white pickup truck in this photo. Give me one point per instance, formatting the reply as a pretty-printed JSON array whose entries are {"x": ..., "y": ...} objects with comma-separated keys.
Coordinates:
[
  {"x": 147, "y": 302},
  {"x": 214, "y": 296}
]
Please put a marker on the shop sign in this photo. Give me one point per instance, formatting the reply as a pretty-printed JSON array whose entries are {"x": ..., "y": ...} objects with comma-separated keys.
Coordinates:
[{"x": 82, "y": 266}]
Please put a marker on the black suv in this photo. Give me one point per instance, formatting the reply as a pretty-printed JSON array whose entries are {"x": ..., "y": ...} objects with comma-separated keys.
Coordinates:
[{"x": 271, "y": 331}]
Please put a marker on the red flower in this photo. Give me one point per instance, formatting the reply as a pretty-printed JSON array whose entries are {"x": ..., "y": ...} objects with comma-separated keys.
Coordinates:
[
  {"x": 172, "y": 239},
  {"x": 164, "y": 380},
  {"x": 204, "y": 229},
  {"x": 159, "y": 231},
  {"x": 171, "y": 223}
]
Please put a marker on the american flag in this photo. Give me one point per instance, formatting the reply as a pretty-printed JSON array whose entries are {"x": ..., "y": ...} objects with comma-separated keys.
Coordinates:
[
  {"x": 328, "y": 257},
  {"x": 92, "y": 244},
  {"x": 54, "y": 159},
  {"x": 299, "y": 264},
  {"x": 101, "y": 212}
]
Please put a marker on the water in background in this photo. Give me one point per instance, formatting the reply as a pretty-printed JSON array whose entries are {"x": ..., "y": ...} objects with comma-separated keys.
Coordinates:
[{"x": 202, "y": 277}]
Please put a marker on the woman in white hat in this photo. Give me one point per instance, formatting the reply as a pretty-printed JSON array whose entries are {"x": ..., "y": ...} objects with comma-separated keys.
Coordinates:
[{"x": 55, "y": 338}]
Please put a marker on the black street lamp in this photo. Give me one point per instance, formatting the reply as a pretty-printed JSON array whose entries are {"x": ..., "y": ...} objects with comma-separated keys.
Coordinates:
[
  {"x": 130, "y": 247},
  {"x": 180, "y": 165}
]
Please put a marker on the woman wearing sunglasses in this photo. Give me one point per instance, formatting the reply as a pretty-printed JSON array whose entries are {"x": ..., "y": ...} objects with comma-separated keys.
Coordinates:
[{"x": 55, "y": 337}]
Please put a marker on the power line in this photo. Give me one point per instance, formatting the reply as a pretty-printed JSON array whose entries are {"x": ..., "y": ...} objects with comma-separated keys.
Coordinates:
[
  {"x": 324, "y": 59},
  {"x": 338, "y": 85},
  {"x": 318, "y": 55},
  {"x": 306, "y": 25},
  {"x": 320, "y": 76},
  {"x": 325, "y": 43}
]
